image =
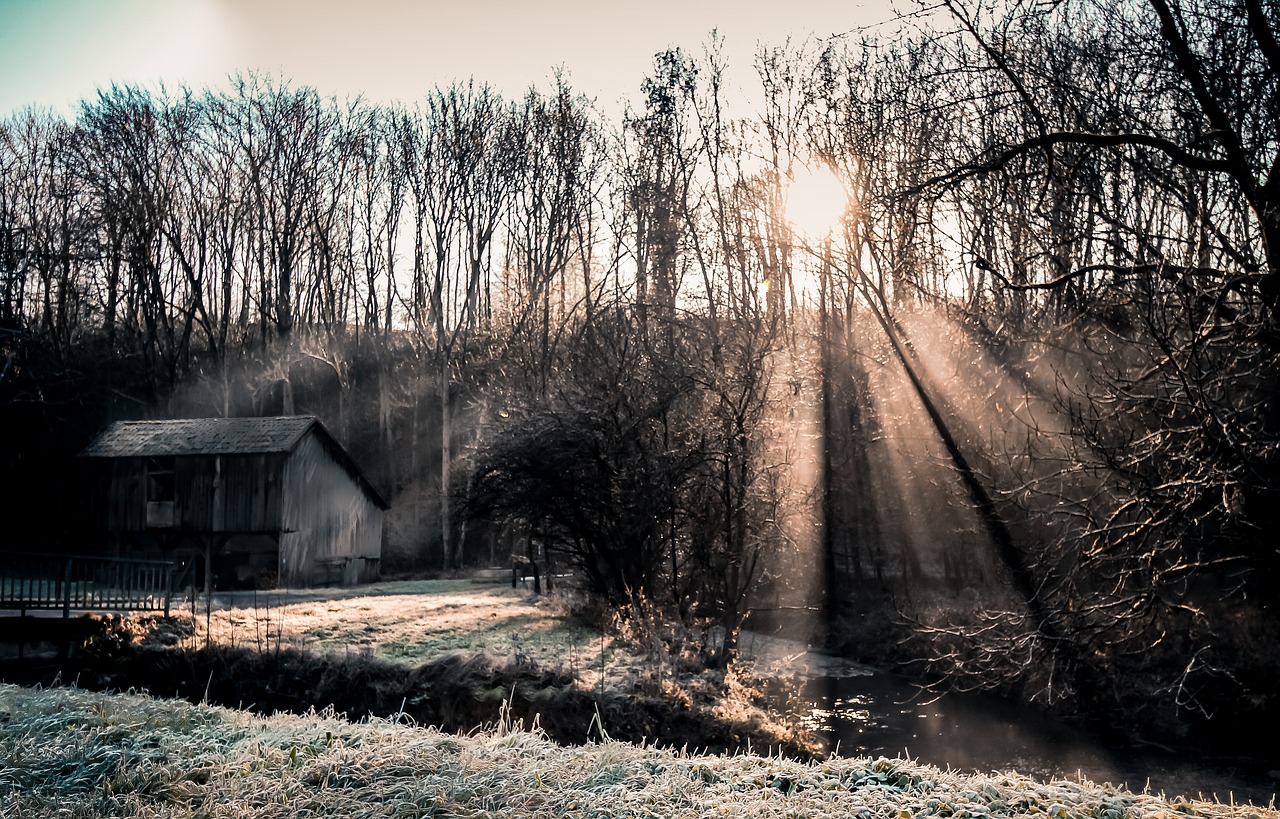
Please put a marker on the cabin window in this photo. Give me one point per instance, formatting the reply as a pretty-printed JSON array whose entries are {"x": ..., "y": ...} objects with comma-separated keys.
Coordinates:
[
  {"x": 160, "y": 481},
  {"x": 161, "y": 493}
]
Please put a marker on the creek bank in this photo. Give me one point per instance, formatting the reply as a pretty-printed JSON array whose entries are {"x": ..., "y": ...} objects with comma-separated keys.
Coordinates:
[{"x": 458, "y": 693}]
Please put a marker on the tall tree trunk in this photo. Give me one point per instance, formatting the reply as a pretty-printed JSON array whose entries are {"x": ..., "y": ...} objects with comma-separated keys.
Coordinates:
[
  {"x": 446, "y": 456},
  {"x": 1269, "y": 287}
]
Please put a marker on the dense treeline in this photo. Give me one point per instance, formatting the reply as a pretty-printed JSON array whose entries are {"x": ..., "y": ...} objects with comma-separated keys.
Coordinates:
[{"x": 1060, "y": 257}]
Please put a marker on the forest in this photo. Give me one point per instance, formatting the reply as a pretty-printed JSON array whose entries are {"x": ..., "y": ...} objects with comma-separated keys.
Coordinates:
[{"x": 1009, "y": 418}]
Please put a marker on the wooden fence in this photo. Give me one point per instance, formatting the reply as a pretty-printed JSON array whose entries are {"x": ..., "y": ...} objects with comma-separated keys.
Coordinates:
[{"x": 50, "y": 582}]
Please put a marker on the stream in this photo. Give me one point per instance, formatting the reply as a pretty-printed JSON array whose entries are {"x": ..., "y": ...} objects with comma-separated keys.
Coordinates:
[{"x": 865, "y": 712}]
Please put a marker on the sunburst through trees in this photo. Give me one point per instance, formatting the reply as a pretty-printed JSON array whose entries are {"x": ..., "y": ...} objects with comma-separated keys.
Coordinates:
[{"x": 1044, "y": 273}]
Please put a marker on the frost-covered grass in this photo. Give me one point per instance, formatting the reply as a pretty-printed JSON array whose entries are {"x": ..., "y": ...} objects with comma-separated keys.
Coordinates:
[
  {"x": 70, "y": 753},
  {"x": 412, "y": 622},
  {"x": 481, "y": 642}
]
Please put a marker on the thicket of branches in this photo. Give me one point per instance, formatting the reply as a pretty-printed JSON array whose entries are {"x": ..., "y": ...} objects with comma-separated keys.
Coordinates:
[{"x": 533, "y": 323}]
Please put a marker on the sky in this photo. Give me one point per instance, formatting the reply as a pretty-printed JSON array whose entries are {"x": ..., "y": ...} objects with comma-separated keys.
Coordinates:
[{"x": 54, "y": 53}]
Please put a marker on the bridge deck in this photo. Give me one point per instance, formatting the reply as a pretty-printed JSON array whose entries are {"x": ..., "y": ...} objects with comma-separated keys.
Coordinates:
[{"x": 31, "y": 582}]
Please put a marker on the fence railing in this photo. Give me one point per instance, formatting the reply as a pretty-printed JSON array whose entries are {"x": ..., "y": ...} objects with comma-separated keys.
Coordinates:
[{"x": 67, "y": 582}]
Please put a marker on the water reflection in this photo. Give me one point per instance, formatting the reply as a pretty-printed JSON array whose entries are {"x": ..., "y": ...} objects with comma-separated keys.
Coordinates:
[{"x": 875, "y": 714}]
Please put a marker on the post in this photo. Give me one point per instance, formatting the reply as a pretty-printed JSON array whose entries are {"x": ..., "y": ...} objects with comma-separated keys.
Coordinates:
[
  {"x": 168, "y": 589},
  {"x": 66, "y": 590}
]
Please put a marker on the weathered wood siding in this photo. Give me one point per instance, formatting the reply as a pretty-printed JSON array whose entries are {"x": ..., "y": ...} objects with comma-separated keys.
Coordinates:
[
  {"x": 249, "y": 496},
  {"x": 116, "y": 493},
  {"x": 213, "y": 493},
  {"x": 326, "y": 521},
  {"x": 332, "y": 529},
  {"x": 129, "y": 495}
]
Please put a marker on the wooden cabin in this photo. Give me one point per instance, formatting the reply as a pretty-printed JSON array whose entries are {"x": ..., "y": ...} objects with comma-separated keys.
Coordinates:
[{"x": 266, "y": 501}]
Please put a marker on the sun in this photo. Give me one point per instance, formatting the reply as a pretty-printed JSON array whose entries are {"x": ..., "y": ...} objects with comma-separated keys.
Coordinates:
[
  {"x": 816, "y": 204},
  {"x": 816, "y": 201}
]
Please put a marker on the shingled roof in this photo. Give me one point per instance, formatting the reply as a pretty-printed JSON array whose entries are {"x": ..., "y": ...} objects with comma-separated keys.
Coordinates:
[
  {"x": 199, "y": 436},
  {"x": 219, "y": 436}
]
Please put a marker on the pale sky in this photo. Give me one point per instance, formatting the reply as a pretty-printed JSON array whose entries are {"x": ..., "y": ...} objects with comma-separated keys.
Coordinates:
[{"x": 54, "y": 53}]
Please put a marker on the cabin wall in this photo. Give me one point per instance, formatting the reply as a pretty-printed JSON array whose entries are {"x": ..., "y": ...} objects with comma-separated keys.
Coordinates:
[
  {"x": 213, "y": 493},
  {"x": 119, "y": 494},
  {"x": 332, "y": 529},
  {"x": 231, "y": 493}
]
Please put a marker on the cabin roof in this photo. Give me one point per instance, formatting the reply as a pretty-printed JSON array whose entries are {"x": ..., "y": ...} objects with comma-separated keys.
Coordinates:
[
  {"x": 199, "y": 436},
  {"x": 220, "y": 436}
]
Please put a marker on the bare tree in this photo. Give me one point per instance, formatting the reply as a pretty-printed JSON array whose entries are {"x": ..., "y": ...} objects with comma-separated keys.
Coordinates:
[{"x": 459, "y": 179}]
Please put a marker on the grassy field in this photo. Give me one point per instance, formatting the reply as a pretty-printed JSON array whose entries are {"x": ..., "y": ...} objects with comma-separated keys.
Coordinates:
[
  {"x": 416, "y": 622},
  {"x": 76, "y": 754},
  {"x": 447, "y": 651}
]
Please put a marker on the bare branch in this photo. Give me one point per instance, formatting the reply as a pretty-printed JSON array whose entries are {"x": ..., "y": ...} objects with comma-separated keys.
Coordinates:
[{"x": 1169, "y": 148}]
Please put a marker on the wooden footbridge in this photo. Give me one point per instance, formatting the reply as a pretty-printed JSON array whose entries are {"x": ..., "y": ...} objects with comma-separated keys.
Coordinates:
[
  {"x": 67, "y": 583},
  {"x": 43, "y": 590}
]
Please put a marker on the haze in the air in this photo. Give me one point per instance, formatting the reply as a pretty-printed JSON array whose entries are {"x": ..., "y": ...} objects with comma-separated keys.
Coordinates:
[{"x": 56, "y": 52}]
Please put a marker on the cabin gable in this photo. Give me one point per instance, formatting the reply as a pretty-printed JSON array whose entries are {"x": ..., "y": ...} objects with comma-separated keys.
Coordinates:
[{"x": 332, "y": 526}]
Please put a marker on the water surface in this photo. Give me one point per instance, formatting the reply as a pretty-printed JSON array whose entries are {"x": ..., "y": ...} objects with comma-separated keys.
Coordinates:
[{"x": 865, "y": 712}]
